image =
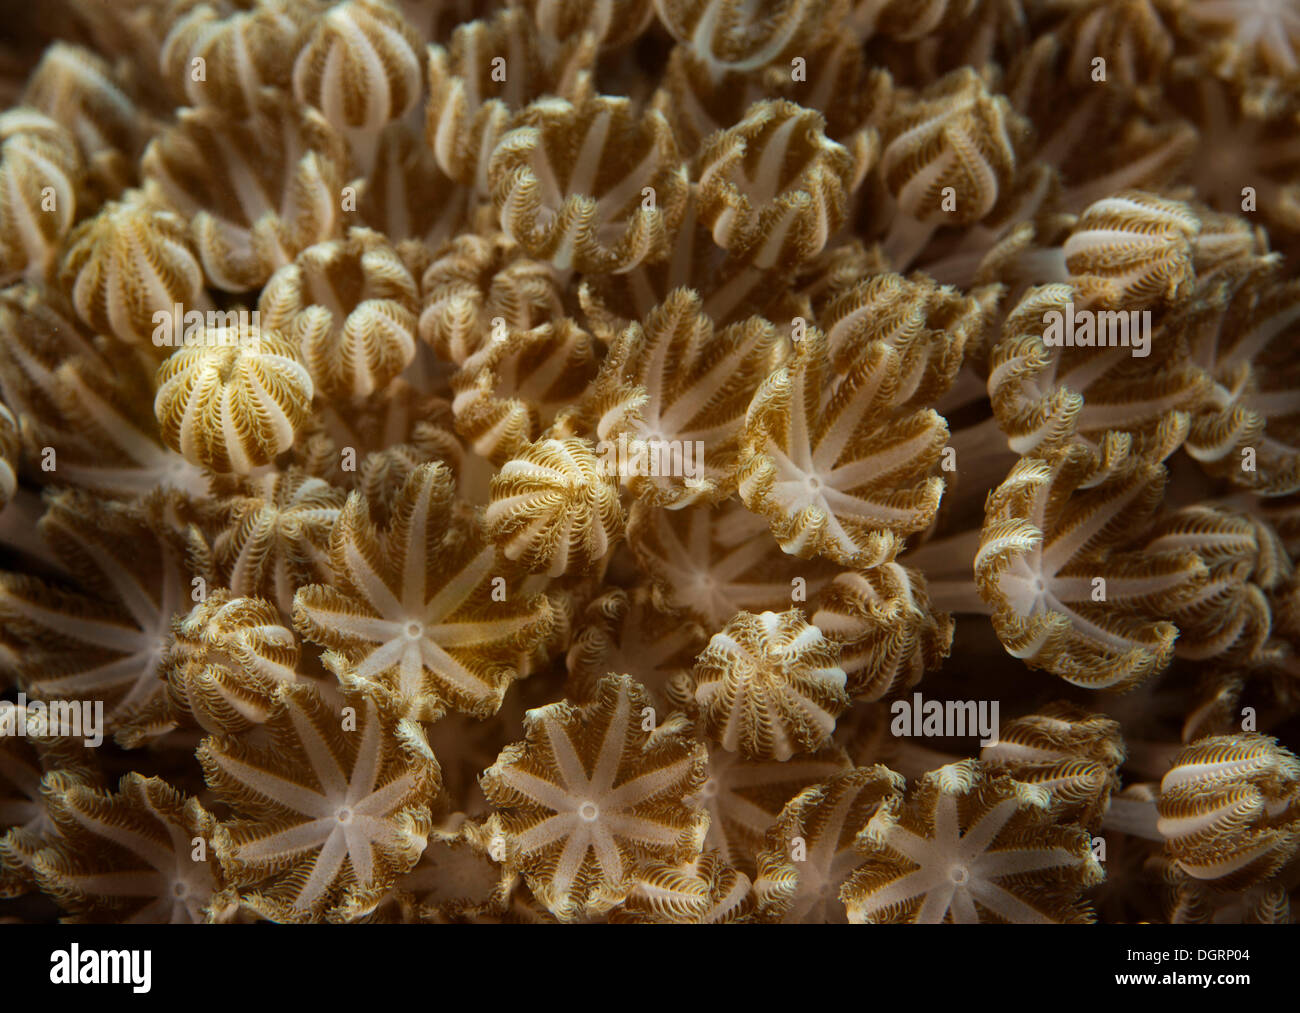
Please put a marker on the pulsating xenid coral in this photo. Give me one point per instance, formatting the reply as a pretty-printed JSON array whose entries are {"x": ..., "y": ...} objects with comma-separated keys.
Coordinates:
[{"x": 650, "y": 461}]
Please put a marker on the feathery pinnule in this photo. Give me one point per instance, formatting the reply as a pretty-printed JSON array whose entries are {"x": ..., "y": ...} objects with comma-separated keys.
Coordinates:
[
  {"x": 257, "y": 190},
  {"x": 349, "y": 305},
  {"x": 413, "y": 611},
  {"x": 274, "y": 537},
  {"x": 555, "y": 508},
  {"x": 1102, "y": 398},
  {"x": 362, "y": 65},
  {"x": 1132, "y": 250},
  {"x": 1229, "y": 249},
  {"x": 969, "y": 845},
  {"x": 1189, "y": 901},
  {"x": 708, "y": 563},
  {"x": 703, "y": 891},
  {"x": 1072, "y": 753},
  {"x": 40, "y": 175},
  {"x": 10, "y": 455},
  {"x": 1068, "y": 589},
  {"x": 946, "y": 155},
  {"x": 1230, "y": 809},
  {"x": 477, "y": 280},
  {"x": 744, "y": 798},
  {"x": 326, "y": 818},
  {"x": 929, "y": 326},
  {"x": 671, "y": 398},
  {"x": 732, "y": 36},
  {"x": 211, "y": 58},
  {"x": 889, "y": 634},
  {"x": 128, "y": 856},
  {"x": 589, "y": 795},
  {"x": 32, "y": 767},
  {"x": 490, "y": 72},
  {"x": 1227, "y": 622},
  {"x": 832, "y": 459},
  {"x": 508, "y": 394},
  {"x": 589, "y": 184},
  {"x": 774, "y": 188},
  {"x": 235, "y": 399},
  {"x": 103, "y": 636},
  {"x": 769, "y": 686},
  {"x": 128, "y": 268},
  {"x": 809, "y": 852},
  {"x": 226, "y": 661}
]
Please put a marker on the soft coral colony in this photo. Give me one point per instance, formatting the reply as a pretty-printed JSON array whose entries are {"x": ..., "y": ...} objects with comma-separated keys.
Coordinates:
[{"x": 573, "y": 427}]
